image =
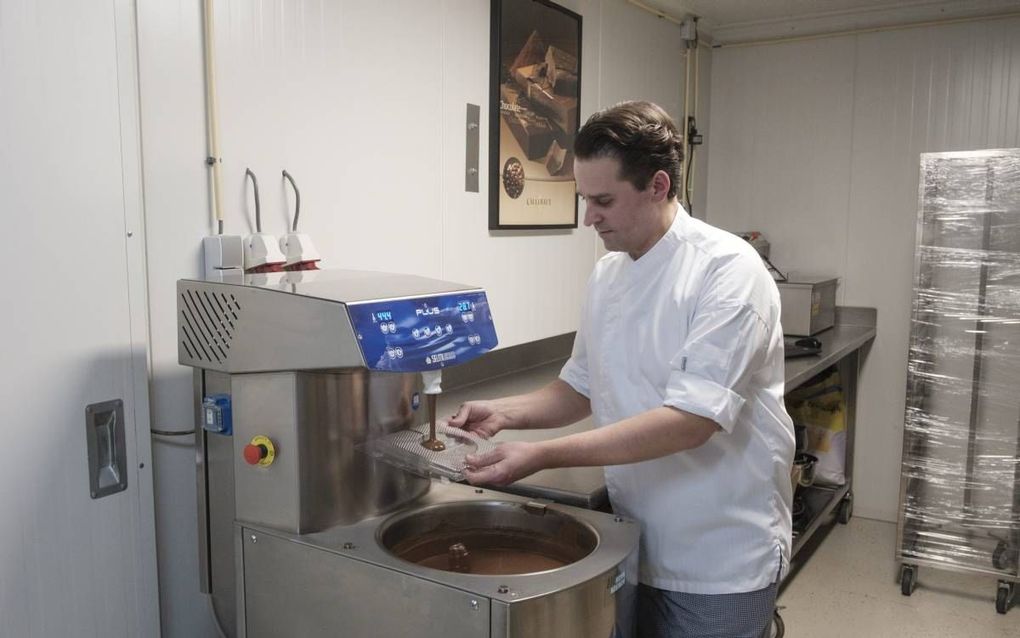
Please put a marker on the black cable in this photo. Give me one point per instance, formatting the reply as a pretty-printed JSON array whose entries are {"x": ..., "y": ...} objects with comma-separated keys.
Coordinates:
[
  {"x": 772, "y": 267},
  {"x": 258, "y": 206},
  {"x": 297, "y": 198},
  {"x": 171, "y": 432},
  {"x": 690, "y": 164},
  {"x": 687, "y": 180}
]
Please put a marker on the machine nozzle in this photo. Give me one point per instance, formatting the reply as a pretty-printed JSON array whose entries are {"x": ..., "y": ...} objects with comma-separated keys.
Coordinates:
[{"x": 433, "y": 386}]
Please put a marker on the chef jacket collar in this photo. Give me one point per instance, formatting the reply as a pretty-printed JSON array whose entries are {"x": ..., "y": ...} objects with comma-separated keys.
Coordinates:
[{"x": 662, "y": 248}]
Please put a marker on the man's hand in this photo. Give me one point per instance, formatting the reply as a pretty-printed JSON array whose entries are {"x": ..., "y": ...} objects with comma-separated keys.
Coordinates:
[
  {"x": 554, "y": 405},
  {"x": 508, "y": 462},
  {"x": 484, "y": 418}
]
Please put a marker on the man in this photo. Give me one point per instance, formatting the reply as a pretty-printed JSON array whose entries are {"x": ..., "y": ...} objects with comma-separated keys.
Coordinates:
[{"x": 679, "y": 358}]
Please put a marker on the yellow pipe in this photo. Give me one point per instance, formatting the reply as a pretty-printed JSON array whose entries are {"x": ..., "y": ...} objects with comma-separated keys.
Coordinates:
[
  {"x": 892, "y": 27},
  {"x": 657, "y": 12}
]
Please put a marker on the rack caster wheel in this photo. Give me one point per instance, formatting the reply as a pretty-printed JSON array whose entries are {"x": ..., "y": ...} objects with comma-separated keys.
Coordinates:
[
  {"x": 908, "y": 579},
  {"x": 778, "y": 626},
  {"x": 846, "y": 509},
  {"x": 1004, "y": 596},
  {"x": 1002, "y": 557}
]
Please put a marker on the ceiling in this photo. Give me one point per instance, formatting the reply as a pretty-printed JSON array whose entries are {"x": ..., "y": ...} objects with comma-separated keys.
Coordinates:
[{"x": 740, "y": 21}]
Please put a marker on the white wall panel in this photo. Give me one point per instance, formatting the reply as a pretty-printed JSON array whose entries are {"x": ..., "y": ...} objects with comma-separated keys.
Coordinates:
[
  {"x": 781, "y": 139},
  {"x": 347, "y": 98},
  {"x": 69, "y": 564},
  {"x": 817, "y": 144},
  {"x": 652, "y": 69}
]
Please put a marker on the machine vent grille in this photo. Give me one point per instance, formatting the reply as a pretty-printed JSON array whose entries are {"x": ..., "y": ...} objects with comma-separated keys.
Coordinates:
[{"x": 208, "y": 323}]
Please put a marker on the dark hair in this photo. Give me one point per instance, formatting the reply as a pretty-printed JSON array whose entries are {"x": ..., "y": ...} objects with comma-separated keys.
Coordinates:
[{"x": 641, "y": 136}]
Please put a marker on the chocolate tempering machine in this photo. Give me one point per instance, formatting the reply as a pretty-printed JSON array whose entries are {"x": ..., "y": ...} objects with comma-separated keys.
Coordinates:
[{"x": 305, "y": 529}]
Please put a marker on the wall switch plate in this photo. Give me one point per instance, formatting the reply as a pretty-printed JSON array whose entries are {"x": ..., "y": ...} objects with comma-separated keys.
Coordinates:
[
  {"x": 471, "y": 148},
  {"x": 222, "y": 253}
]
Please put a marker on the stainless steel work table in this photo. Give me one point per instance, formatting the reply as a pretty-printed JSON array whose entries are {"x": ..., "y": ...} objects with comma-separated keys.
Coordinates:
[
  {"x": 843, "y": 346},
  {"x": 585, "y": 486},
  {"x": 578, "y": 486}
]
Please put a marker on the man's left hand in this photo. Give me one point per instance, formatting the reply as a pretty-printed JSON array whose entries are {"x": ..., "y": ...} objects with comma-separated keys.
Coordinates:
[{"x": 508, "y": 462}]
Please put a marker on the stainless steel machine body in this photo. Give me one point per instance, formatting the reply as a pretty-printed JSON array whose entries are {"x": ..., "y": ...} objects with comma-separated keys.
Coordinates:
[
  {"x": 291, "y": 542},
  {"x": 343, "y": 582}
]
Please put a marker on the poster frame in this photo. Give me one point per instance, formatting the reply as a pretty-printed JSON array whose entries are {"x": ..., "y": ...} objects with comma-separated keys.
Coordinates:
[{"x": 496, "y": 221}]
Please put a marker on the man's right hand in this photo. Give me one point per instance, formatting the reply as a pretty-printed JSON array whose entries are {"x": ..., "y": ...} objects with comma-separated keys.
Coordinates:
[{"x": 484, "y": 418}]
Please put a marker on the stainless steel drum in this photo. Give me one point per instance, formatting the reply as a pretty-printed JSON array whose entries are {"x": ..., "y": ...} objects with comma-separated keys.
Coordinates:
[{"x": 488, "y": 537}]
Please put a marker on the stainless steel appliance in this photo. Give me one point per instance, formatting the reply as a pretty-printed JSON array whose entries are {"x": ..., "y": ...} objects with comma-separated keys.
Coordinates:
[
  {"x": 808, "y": 304},
  {"x": 302, "y": 534}
]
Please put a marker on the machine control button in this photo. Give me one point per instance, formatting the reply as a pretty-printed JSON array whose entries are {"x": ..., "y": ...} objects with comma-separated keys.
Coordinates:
[
  {"x": 254, "y": 453},
  {"x": 260, "y": 451}
]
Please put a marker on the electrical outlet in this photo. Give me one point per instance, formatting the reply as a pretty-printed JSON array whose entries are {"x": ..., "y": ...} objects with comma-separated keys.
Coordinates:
[
  {"x": 262, "y": 253},
  {"x": 299, "y": 251}
]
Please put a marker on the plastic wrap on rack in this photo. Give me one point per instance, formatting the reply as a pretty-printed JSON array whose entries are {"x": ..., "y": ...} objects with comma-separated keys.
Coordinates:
[
  {"x": 404, "y": 450},
  {"x": 961, "y": 457}
]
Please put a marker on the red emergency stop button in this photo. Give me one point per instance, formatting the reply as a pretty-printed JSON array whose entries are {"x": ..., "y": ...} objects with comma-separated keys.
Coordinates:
[
  {"x": 254, "y": 453},
  {"x": 260, "y": 451}
]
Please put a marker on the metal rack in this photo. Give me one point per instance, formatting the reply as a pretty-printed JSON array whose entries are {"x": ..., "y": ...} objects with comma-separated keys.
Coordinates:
[
  {"x": 822, "y": 502},
  {"x": 959, "y": 496},
  {"x": 843, "y": 348}
]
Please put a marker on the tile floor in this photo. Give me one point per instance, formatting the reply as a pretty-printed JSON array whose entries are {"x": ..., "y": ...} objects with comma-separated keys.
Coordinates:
[{"x": 850, "y": 588}]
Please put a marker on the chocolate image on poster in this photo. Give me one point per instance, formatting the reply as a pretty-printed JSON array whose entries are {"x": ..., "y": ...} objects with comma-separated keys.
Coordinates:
[{"x": 533, "y": 118}]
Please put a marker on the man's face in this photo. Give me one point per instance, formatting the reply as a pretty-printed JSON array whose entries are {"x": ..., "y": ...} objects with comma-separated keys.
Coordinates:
[{"x": 623, "y": 216}]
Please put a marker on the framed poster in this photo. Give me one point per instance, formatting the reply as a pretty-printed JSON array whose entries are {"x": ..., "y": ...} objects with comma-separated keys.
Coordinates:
[{"x": 535, "y": 86}]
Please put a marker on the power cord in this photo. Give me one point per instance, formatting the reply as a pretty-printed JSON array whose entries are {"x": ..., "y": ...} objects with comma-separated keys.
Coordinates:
[
  {"x": 215, "y": 617},
  {"x": 297, "y": 199},
  {"x": 772, "y": 268},
  {"x": 171, "y": 432},
  {"x": 258, "y": 206},
  {"x": 692, "y": 138}
]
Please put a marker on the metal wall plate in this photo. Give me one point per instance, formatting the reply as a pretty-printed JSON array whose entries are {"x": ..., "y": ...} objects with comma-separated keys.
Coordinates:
[
  {"x": 471, "y": 153},
  {"x": 107, "y": 452}
]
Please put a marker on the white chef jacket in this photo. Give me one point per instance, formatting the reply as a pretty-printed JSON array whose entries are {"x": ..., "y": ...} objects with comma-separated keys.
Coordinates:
[{"x": 694, "y": 324}]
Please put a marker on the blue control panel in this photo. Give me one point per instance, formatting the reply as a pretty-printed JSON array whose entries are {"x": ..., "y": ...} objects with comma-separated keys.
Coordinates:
[{"x": 426, "y": 333}]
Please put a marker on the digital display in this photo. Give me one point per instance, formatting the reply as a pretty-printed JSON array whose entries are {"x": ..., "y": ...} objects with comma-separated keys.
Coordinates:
[{"x": 423, "y": 333}]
